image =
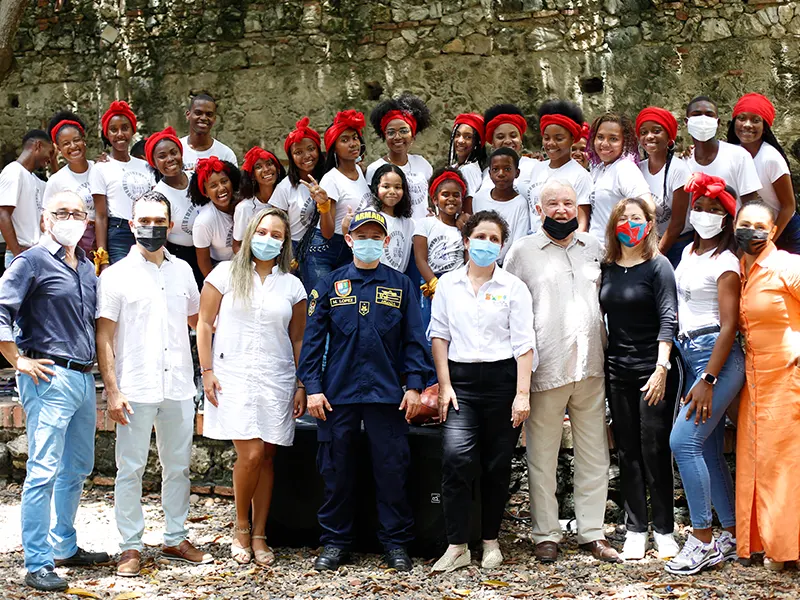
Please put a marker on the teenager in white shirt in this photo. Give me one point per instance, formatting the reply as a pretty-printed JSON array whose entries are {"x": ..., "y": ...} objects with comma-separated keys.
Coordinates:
[
  {"x": 468, "y": 152},
  {"x": 261, "y": 173},
  {"x": 201, "y": 116},
  {"x": 505, "y": 126}
]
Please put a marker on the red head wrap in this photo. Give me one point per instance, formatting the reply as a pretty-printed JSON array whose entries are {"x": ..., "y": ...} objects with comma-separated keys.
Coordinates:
[
  {"x": 662, "y": 117},
  {"x": 346, "y": 119},
  {"x": 301, "y": 130},
  {"x": 473, "y": 120},
  {"x": 205, "y": 167},
  {"x": 756, "y": 104},
  {"x": 64, "y": 123},
  {"x": 702, "y": 184},
  {"x": 403, "y": 115},
  {"x": 565, "y": 122},
  {"x": 585, "y": 131},
  {"x": 517, "y": 121},
  {"x": 117, "y": 108},
  {"x": 255, "y": 154},
  {"x": 152, "y": 141},
  {"x": 447, "y": 176}
]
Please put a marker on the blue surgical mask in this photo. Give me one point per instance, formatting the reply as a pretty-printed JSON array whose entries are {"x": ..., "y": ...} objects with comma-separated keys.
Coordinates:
[
  {"x": 265, "y": 247},
  {"x": 368, "y": 251},
  {"x": 483, "y": 252}
]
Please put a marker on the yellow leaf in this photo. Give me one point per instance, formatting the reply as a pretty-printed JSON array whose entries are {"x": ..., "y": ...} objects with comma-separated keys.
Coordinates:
[
  {"x": 81, "y": 592},
  {"x": 494, "y": 583},
  {"x": 462, "y": 592},
  {"x": 127, "y": 596}
]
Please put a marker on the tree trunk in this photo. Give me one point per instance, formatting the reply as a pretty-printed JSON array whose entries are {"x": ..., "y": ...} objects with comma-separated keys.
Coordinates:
[{"x": 11, "y": 12}]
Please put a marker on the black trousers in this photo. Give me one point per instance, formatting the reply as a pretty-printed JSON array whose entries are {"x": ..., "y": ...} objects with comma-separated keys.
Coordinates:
[{"x": 478, "y": 439}]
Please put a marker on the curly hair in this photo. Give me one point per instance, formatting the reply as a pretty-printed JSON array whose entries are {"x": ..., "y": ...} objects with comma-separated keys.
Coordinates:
[
  {"x": 565, "y": 108},
  {"x": 501, "y": 109},
  {"x": 630, "y": 142},
  {"x": 199, "y": 197},
  {"x": 405, "y": 102},
  {"x": 490, "y": 216},
  {"x": 64, "y": 115}
]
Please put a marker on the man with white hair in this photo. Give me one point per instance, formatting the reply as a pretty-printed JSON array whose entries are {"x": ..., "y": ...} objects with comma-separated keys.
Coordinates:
[
  {"x": 49, "y": 291},
  {"x": 561, "y": 267}
]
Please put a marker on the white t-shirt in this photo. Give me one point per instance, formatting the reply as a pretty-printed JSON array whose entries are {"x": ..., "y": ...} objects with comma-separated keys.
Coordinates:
[
  {"x": 770, "y": 166},
  {"x": 471, "y": 172},
  {"x": 571, "y": 172},
  {"x": 401, "y": 234},
  {"x": 445, "y": 245},
  {"x": 696, "y": 278},
  {"x": 677, "y": 177},
  {"x": 214, "y": 229},
  {"x": 184, "y": 213},
  {"x": 347, "y": 194},
  {"x": 242, "y": 214},
  {"x": 66, "y": 180},
  {"x": 121, "y": 183},
  {"x": 735, "y": 165},
  {"x": 612, "y": 183},
  {"x": 24, "y": 191},
  {"x": 527, "y": 167},
  {"x": 417, "y": 171},
  {"x": 297, "y": 202},
  {"x": 218, "y": 149},
  {"x": 514, "y": 211}
]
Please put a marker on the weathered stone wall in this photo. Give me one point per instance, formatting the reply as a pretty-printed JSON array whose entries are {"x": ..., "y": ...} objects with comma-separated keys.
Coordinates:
[{"x": 269, "y": 62}]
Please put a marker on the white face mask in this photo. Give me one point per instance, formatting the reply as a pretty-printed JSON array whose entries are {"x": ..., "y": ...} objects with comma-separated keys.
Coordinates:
[
  {"x": 69, "y": 232},
  {"x": 702, "y": 128},
  {"x": 707, "y": 225}
]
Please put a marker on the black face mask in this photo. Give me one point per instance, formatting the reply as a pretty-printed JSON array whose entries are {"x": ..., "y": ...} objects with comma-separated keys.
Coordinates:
[
  {"x": 152, "y": 237},
  {"x": 558, "y": 230},
  {"x": 751, "y": 241}
]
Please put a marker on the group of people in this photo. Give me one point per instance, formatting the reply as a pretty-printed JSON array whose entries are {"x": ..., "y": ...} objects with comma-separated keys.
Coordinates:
[{"x": 615, "y": 271}]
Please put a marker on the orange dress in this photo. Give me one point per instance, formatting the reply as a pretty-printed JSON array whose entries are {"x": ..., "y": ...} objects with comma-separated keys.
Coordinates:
[{"x": 768, "y": 439}]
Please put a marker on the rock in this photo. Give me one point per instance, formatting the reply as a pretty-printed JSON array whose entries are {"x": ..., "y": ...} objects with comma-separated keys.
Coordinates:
[
  {"x": 625, "y": 37},
  {"x": 200, "y": 461},
  {"x": 543, "y": 38},
  {"x": 18, "y": 447},
  {"x": 5, "y": 461},
  {"x": 478, "y": 44},
  {"x": 397, "y": 49},
  {"x": 712, "y": 30},
  {"x": 566, "y": 435},
  {"x": 749, "y": 25},
  {"x": 455, "y": 46},
  {"x": 194, "y": 499},
  {"x": 209, "y": 502}
]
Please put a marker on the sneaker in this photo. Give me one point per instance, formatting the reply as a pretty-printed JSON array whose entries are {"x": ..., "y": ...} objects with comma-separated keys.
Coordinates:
[
  {"x": 82, "y": 558},
  {"x": 666, "y": 546},
  {"x": 726, "y": 544},
  {"x": 45, "y": 580},
  {"x": 773, "y": 565},
  {"x": 694, "y": 557},
  {"x": 635, "y": 545}
]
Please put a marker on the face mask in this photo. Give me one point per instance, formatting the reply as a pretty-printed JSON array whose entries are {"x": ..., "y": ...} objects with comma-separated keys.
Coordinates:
[
  {"x": 368, "y": 251},
  {"x": 68, "y": 233},
  {"x": 151, "y": 237},
  {"x": 558, "y": 230},
  {"x": 483, "y": 252},
  {"x": 751, "y": 241},
  {"x": 265, "y": 247},
  {"x": 702, "y": 128},
  {"x": 707, "y": 225},
  {"x": 631, "y": 234}
]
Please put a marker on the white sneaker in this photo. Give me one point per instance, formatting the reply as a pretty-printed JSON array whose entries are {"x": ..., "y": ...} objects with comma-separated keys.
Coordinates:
[
  {"x": 666, "y": 546},
  {"x": 773, "y": 565},
  {"x": 726, "y": 544},
  {"x": 635, "y": 545},
  {"x": 694, "y": 557}
]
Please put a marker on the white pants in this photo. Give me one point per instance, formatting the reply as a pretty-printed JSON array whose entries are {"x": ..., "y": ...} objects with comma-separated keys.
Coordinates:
[
  {"x": 174, "y": 423},
  {"x": 585, "y": 402}
]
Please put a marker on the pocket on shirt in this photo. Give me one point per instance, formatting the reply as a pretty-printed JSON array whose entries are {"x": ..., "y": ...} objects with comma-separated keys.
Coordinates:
[
  {"x": 341, "y": 320},
  {"x": 388, "y": 320},
  {"x": 178, "y": 303}
]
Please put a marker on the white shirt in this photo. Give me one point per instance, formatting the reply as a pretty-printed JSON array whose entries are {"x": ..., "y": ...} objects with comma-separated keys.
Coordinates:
[
  {"x": 121, "y": 183},
  {"x": 471, "y": 172},
  {"x": 417, "y": 171},
  {"x": 242, "y": 214},
  {"x": 150, "y": 305},
  {"x": 218, "y": 149},
  {"x": 676, "y": 178},
  {"x": 612, "y": 183},
  {"x": 184, "y": 213},
  {"x": 445, "y": 244},
  {"x": 696, "y": 279},
  {"x": 770, "y": 166},
  {"x": 527, "y": 167},
  {"x": 23, "y": 190},
  {"x": 66, "y": 180},
  {"x": 514, "y": 211},
  {"x": 214, "y": 229},
  {"x": 571, "y": 172},
  {"x": 346, "y": 193},
  {"x": 401, "y": 240},
  {"x": 496, "y": 323},
  {"x": 735, "y": 165},
  {"x": 298, "y": 204}
]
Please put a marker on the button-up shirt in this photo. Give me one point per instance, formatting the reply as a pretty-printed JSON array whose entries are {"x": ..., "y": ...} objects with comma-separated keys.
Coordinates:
[
  {"x": 564, "y": 284},
  {"x": 52, "y": 303},
  {"x": 151, "y": 305}
]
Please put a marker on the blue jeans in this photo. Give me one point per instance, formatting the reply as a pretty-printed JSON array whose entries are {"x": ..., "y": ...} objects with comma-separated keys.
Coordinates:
[
  {"x": 120, "y": 239},
  {"x": 323, "y": 256},
  {"x": 676, "y": 250},
  {"x": 9, "y": 256},
  {"x": 698, "y": 449},
  {"x": 60, "y": 423}
]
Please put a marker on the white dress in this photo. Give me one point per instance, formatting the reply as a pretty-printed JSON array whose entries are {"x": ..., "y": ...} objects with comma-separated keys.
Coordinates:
[{"x": 253, "y": 360}]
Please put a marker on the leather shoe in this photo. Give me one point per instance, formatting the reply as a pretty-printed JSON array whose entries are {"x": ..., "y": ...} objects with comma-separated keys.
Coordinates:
[
  {"x": 546, "y": 552},
  {"x": 602, "y": 550},
  {"x": 45, "y": 580},
  {"x": 129, "y": 564},
  {"x": 82, "y": 558},
  {"x": 185, "y": 552},
  {"x": 330, "y": 558},
  {"x": 398, "y": 559}
]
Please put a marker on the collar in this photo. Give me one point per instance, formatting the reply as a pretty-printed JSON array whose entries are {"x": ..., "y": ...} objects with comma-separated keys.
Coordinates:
[
  {"x": 56, "y": 249},
  {"x": 134, "y": 251},
  {"x": 275, "y": 269},
  {"x": 462, "y": 274},
  {"x": 761, "y": 261},
  {"x": 543, "y": 240},
  {"x": 378, "y": 274}
]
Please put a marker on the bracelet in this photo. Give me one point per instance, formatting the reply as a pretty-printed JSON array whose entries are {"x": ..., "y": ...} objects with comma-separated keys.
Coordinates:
[
  {"x": 301, "y": 387},
  {"x": 204, "y": 371},
  {"x": 325, "y": 207}
]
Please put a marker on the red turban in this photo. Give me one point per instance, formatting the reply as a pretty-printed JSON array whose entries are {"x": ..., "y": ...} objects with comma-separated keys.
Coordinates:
[
  {"x": 447, "y": 176},
  {"x": 403, "y": 115},
  {"x": 756, "y": 104},
  {"x": 517, "y": 121},
  {"x": 301, "y": 130},
  {"x": 565, "y": 122},
  {"x": 346, "y": 119},
  {"x": 662, "y": 117},
  {"x": 64, "y": 123},
  {"x": 585, "y": 131},
  {"x": 473, "y": 120},
  {"x": 118, "y": 108},
  {"x": 254, "y": 155},
  {"x": 703, "y": 184},
  {"x": 152, "y": 141},
  {"x": 205, "y": 167}
]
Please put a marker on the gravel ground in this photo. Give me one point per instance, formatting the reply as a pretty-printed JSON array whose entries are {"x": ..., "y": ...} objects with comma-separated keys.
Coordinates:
[{"x": 575, "y": 575}]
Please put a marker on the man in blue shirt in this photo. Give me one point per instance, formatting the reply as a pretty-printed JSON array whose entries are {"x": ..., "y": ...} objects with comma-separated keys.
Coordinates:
[
  {"x": 49, "y": 290},
  {"x": 369, "y": 314}
]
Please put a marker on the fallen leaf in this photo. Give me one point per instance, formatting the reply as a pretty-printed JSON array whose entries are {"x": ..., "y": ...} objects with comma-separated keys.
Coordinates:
[
  {"x": 199, "y": 519},
  {"x": 81, "y": 592},
  {"x": 495, "y": 583},
  {"x": 128, "y": 596},
  {"x": 462, "y": 592}
]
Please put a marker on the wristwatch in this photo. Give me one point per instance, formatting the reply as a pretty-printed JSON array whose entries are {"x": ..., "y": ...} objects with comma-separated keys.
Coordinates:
[
  {"x": 709, "y": 378},
  {"x": 666, "y": 364}
]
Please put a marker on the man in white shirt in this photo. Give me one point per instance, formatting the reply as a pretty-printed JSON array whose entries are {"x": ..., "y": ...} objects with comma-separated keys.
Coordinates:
[
  {"x": 561, "y": 268},
  {"x": 21, "y": 194},
  {"x": 201, "y": 115},
  {"x": 144, "y": 303}
]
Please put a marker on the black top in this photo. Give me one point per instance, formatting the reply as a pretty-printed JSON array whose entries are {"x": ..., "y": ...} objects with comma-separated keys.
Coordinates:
[{"x": 640, "y": 304}]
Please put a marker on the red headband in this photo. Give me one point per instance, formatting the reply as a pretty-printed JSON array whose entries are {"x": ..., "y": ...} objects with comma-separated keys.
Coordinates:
[
  {"x": 447, "y": 176},
  {"x": 585, "y": 131},
  {"x": 204, "y": 168},
  {"x": 702, "y": 184},
  {"x": 565, "y": 122},
  {"x": 301, "y": 130},
  {"x": 756, "y": 104},
  {"x": 517, "y": 121},
  {"x": 118, "y": 108},
  {"x": 472, "y": 120},
  {"x": 152, "y": 141},
  {"x": 347, "y": 119},
  {"x": 403, "y": 115},
  {"x": 254, "y": 155},
  {"x": 662, "y": 117},
  {"x": 63, "y": 123}
]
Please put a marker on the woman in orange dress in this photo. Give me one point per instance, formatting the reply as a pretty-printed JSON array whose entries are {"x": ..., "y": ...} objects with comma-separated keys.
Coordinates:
[{"x": 768, "y": 446}]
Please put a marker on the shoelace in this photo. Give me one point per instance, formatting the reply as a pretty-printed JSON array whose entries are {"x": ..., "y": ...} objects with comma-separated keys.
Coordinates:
[{"x": 687, "y": 552}]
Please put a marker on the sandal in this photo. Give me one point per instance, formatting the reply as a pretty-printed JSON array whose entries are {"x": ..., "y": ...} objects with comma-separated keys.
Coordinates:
[
  {"x": 240, "y": 554},
  {"x": 264, "y": 558}
]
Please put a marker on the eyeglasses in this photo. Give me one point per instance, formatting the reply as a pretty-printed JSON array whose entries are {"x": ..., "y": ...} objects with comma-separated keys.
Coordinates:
[
  {"x": 63, "y": 215},
  {"x": 390, "y": 133}
]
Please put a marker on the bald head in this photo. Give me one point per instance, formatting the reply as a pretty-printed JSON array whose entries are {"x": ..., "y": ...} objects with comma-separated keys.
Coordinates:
[{"x": 558, "y": 201}]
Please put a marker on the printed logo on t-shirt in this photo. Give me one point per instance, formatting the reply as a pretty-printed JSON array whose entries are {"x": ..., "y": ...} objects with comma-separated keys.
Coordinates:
[
  {"x": 229, "y": 237},
  {"x": 135, "y": 183},
  {"x": 188, "y": 219},
  {"x": 663, "y": 211},
  {"x": 443, "y": 254},
  {"x": 395, "y": 249},
  {"x": 84, "y": 192},
  {"x": 307, "y": 211},
  {"x": 417, "y": 191}
]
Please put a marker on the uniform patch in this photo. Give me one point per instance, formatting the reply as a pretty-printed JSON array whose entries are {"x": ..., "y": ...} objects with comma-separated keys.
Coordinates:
[
  {"x": 312, "y": 306},
  {"x": 363, "y": 308},
  {"x": 343, "y": 301},
  {"x": 314, "y": 294},
  {"x": 343, "y": 287},
  {"x": 389, "y": 296}
]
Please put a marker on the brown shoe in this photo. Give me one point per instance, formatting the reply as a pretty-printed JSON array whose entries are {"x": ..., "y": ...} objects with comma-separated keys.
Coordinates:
[
  {"x": 129, "y": 563},
  {"x": 602, "y": 550},
  {"x": 187, "y": 553},
  {"x": 546, "y": 552}
]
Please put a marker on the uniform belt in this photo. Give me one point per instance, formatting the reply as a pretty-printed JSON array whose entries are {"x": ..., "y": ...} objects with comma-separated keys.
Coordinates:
[
  {"x": 695, "y": 333},
  {"x": 67, "y": 363}
]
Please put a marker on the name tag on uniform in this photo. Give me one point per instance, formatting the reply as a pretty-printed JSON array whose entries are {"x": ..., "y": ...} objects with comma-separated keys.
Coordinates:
[
  {"x": 388, "y": 296},
  {"x": 342, "y": 301}
]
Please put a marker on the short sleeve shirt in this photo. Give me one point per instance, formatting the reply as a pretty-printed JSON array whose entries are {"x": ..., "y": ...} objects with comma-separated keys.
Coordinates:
[
  {"x": 571, "y": 172},
  {"x": 121, "y": 183},
  {"x": 66, "y": 180},
  {"x": 612, "y": 183},
  {"x": 445, "y": 245},
  {"x": 770, "y": 166},
  {"x": 677, "y": 177},
  {"x": 514, "y": 211},
  {"x": 346, "y": 192},
  {"x": 696, "y": 279},
  {"x": 735, "y": 165},
  {"x": 298, "y": 204},
  {"x": 417, "y": 171},
  {"x": 401, "y": 234},
  {"x": 184, "y": 213},
  {"x": 214, "y": 229},
  {"x": 218, "y": 149},
  {"x": 24, "y": 191}
]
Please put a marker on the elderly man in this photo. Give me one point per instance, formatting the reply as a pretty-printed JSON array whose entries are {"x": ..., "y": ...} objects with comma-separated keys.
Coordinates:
[
  {"x": 561, "y": 267},
  {"x": 50, "y": 291}
]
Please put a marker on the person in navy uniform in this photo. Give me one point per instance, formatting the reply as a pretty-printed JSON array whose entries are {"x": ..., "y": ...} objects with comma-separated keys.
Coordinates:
[{"x": 369, "y": 313}]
